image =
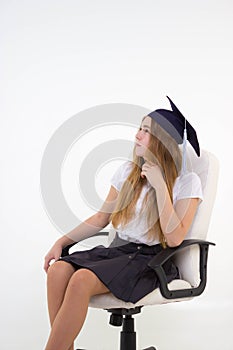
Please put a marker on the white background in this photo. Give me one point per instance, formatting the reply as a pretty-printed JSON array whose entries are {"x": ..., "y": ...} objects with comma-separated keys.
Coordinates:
[{"x": 61, "y": 57}]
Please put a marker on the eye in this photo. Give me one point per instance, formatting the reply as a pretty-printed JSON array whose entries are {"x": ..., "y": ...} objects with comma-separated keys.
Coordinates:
[{"x": 145, "y": 130}]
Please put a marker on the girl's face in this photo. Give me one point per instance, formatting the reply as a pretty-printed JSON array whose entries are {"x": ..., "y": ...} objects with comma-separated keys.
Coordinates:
[{"x": 143, "y": 137}]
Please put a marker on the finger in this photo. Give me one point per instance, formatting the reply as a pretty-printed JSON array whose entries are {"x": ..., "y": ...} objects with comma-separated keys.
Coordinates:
[
  {"x": 143, "y": 174},
  {"x": 152, "y": 164},
  {"x": 149, "y": 163},
  {"x": 56, "y": 258},
  {"x": 145, "y": 167},
  {"x": 46, "y": 266}
]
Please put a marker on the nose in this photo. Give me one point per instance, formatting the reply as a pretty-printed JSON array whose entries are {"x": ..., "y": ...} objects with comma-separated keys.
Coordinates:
[{"x": 138, "y": 135}]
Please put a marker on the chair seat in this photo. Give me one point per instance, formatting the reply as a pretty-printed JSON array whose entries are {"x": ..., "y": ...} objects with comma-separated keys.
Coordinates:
[{"x": 109, "y": 301}]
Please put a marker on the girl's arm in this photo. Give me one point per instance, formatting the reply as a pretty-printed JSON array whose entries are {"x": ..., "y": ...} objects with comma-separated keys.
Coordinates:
[
  {"x": 176, "y": 220},
  {"x": 89, "y": 227}
]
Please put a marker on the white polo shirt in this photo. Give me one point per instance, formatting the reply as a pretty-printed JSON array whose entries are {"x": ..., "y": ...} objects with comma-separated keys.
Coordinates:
[{"x": 186, "y": 186}]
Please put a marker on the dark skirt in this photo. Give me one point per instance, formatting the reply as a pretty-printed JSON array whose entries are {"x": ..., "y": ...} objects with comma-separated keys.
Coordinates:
[{"x": 123, "y": 268}]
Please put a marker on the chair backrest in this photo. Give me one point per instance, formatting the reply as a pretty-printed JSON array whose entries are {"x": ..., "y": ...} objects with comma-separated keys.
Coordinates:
[{"x": 207, "y": 167}]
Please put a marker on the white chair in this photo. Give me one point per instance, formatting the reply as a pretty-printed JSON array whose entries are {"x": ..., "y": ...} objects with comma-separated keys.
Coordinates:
[{"x": 190, "y": 257}]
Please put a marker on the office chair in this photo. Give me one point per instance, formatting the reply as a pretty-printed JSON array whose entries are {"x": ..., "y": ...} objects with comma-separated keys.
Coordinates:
[{"x": 190, "y": 257}]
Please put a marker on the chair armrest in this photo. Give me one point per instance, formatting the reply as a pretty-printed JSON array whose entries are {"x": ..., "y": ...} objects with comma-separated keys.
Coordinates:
[
  {"x": 65, "y": 251},
  {"x": 157, "y": 262}
]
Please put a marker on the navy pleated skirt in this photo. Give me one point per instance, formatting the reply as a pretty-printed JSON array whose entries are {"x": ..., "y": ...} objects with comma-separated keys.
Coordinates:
[{"x": 123, "y": 268}]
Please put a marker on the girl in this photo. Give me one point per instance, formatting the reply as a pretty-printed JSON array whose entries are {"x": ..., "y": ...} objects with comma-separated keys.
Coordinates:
[{"x": 151, "y": 203}]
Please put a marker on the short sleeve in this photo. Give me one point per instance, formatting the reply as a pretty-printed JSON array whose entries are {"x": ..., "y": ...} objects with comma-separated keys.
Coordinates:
[
  {"x": 187, "y": 186},
  {"x": 121, "y": 175}
]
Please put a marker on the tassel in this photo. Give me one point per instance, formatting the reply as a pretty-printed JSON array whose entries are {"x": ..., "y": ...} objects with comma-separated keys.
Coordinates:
[{"x": 184, "y": 163}]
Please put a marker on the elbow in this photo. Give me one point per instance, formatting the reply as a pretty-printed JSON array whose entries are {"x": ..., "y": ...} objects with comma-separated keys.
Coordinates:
[
  {"x": 172, "y": 243},
  {"x": 174, "y": 239}
]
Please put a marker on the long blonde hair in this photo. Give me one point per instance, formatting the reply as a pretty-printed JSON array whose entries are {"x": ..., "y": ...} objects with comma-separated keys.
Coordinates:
[{"x": 164, "y": 151}]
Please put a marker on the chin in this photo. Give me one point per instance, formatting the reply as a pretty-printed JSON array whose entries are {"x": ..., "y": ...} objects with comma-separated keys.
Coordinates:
[{"x": 140, "y": 153}]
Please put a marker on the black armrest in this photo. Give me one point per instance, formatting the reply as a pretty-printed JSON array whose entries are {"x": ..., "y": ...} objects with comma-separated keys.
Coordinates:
[
  {"x": 157, "y": 265},
  {"x": 65, "y": 251}
]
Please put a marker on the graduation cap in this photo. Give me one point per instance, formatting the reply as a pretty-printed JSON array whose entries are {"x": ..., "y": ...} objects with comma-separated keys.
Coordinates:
[{"x": 176, "y": 125}]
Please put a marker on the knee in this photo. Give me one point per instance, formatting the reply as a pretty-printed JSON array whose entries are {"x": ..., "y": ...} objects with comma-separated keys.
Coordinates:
[
  {"x": 82, "y": 280},
  {"x": 59, "y": 269}
]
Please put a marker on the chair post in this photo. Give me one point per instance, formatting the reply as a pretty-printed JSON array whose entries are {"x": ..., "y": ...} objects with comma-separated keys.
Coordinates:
[
  {"x": 123, "y": 317},
  {"x": 128, "y": 335}
]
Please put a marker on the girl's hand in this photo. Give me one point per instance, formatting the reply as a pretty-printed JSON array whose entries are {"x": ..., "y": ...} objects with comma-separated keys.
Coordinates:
[
  {"x": 153, "y": 173},
  {"x": 53, "y": 254}
]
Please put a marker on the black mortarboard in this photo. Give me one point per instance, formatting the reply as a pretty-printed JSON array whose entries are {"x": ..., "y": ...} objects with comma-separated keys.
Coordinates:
[
  {"x": 178, "y": 127},
  {"x": 175, "y": 123}
]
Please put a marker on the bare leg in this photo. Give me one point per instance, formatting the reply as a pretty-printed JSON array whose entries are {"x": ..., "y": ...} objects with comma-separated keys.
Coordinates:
[
  {"x": 58, "y": 277},
  {"x": 72, "y": 313}
]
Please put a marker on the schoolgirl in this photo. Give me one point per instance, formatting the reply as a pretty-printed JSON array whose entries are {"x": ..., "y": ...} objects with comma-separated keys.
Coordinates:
[{"x": 151, "y": 203}]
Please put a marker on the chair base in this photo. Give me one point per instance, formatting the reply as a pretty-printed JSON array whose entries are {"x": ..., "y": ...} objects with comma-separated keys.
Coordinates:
[{"x": 123, "y": 317}]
